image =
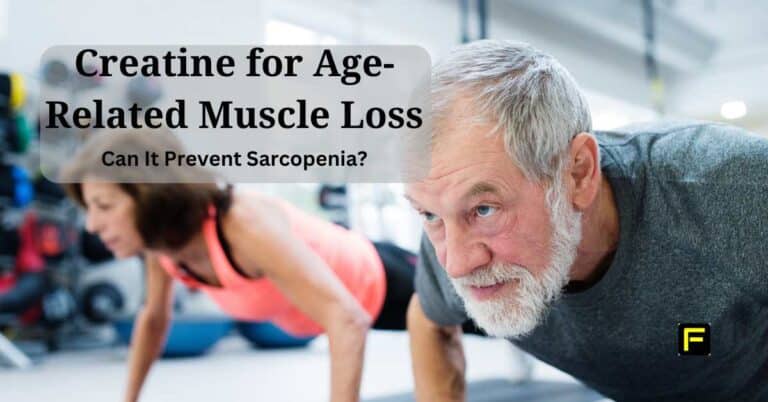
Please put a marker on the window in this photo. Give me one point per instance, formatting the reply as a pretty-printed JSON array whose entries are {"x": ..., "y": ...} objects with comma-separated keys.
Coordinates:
[{"x": 283, "y": 33}]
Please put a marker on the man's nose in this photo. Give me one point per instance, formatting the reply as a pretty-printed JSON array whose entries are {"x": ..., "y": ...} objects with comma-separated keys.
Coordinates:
[{"x": 462, "y": 253}]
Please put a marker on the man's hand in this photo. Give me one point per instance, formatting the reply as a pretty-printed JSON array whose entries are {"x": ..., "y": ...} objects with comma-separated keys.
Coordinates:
[{"x": 437, "y": 357}]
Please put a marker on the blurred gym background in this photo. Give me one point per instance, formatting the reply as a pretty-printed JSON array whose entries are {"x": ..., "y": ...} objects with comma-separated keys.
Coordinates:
[{"x": 69, "y": 304}]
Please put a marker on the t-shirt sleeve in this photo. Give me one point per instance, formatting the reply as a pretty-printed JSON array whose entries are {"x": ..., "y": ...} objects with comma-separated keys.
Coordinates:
[{"x": 436, "y": 294}]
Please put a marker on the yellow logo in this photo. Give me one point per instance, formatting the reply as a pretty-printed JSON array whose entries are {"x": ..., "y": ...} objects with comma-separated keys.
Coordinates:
[{"x": 693, "y": 339}]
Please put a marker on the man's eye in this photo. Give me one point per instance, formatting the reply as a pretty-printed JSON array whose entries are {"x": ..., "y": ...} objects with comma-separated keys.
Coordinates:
[
  {"x": 429, "y": 217},
  {"x": 485, "y": 210}
]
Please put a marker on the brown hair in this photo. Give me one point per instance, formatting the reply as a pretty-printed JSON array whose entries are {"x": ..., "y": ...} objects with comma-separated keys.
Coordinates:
[{"x": 167, "y": 213}]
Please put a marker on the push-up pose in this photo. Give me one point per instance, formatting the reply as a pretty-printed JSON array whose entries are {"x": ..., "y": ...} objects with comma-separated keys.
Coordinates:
[
  {"x": 635, "y": 260},
  {"x": 258, "y": 257}
]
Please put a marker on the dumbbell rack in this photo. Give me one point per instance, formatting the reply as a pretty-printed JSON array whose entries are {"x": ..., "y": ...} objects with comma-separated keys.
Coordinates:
[
  {"x": 63, "y": 272},
  {"x": 8, "y": 351}
]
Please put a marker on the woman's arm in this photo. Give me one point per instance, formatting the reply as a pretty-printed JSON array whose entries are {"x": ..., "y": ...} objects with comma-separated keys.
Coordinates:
[
  {"x": 150, "y": 327},
  {"x": 262, "y": 238}
]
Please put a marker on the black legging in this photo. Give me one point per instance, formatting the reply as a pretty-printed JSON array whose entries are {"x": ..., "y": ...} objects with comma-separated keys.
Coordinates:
[{"x": 400, "y": 270}]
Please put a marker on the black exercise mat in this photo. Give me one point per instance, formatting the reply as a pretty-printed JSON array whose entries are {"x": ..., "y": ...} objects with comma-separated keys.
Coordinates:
[{"x": 499, "y": 390}]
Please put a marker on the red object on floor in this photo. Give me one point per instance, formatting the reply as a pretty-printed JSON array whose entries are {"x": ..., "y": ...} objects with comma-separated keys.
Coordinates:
[{"x": 28, "y": 260}]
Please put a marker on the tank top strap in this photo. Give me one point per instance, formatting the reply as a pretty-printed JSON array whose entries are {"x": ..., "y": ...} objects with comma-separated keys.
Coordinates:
[
  {"x": 175, "y": 272},
  {"x": 222, "y": 266}
]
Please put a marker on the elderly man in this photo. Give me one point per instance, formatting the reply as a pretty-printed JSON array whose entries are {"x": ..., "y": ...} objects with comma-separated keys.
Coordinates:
[{"x": 600, "y": 253}]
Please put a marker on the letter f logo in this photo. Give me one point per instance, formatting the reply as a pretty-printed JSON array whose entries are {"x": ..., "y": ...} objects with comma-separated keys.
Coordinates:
[{"x": 693, "y": 339}]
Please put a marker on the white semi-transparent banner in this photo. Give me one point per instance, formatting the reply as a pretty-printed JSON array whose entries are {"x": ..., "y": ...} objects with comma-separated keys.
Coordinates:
[{"x": 238, "y": 113}]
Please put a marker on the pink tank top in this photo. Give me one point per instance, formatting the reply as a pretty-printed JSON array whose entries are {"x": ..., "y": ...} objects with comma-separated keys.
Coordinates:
[{"x": 351, "y": 256}]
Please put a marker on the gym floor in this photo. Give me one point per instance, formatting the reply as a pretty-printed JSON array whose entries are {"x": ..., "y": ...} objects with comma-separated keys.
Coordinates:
[{"x": 232, "y": 370}]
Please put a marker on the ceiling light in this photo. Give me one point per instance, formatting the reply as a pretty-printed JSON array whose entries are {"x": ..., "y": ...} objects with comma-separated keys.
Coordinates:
[{"x": 733, "y": 110}]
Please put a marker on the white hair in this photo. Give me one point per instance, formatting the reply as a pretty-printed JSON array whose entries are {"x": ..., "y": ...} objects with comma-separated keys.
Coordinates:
[{"x": 534, "y": 101}]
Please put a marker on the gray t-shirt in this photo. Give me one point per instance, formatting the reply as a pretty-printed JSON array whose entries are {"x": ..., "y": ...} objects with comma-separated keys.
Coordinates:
[{"x": 693, "y": 248}]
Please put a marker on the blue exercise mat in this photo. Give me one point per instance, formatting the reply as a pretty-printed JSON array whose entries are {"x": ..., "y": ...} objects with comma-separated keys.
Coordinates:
[{"x": 186, "y": 337}]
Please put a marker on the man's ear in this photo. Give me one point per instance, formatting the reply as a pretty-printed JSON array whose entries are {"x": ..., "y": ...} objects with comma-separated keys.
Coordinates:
[{"x": 583, "y": 174}]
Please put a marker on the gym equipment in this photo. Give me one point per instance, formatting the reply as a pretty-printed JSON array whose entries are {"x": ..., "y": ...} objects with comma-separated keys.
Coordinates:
[
  {"x": 187, "y": 336},
  {"x": 93, "y": 249},
  {"x": 12, "y": 93},
  {"x": 481, "y": 25},
  {"x": 101, "y": 302},
  {"x": 55, "y": 73},
  {"x": 9, "y": 241},
  {"x": 15, "y": 133},
  {"x": 14, "y": 130},
  {"x": 12, "y": 354},
  {"x": 50, "y": 240},
  {"x": 499, "y": 390},
  {"x": 59, "y": 306},
  {"x": 18, "y": 91},
  {"x": 15, "y": 185},
  {"x": 651, "y": 62},
  {"x": 7, "y": 268},
  {"x": 28, "y": 255},
  {"x": 49, "y": 236},
  {"x": 54, "y": 239},
  {"x": 26, "y": 290},
  {"x": 268, "y": 336},
  {"x": 144, "y": 91},
  {"x": 47, "y": 191},
  {"x": 19, "y": 135},
  {"x": 5, "y": 96},
  {"x": 332, "y": 197}
]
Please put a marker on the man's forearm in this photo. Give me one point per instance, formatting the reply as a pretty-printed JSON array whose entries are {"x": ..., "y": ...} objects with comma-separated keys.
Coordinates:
[{"x": 438, "y": 358}]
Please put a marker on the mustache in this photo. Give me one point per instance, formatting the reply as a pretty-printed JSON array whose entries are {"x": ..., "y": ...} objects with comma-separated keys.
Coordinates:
[{"x": 493, "y": 275}]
